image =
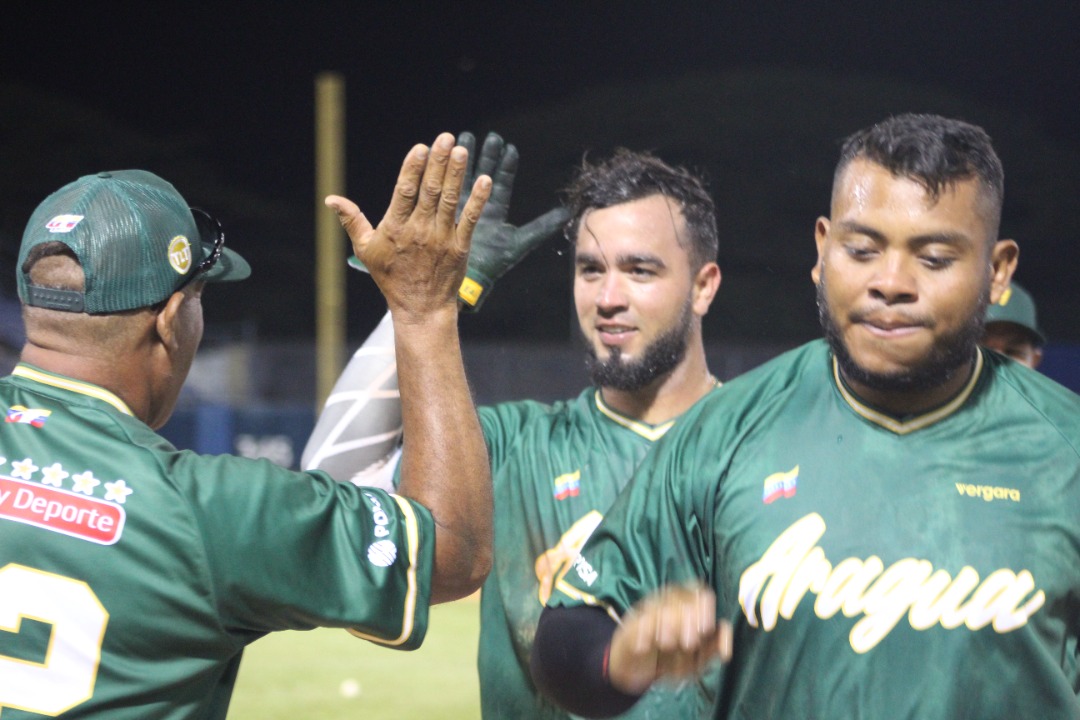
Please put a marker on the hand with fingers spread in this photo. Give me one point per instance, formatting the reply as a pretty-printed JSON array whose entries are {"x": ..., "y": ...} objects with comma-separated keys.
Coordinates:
[
  {"x": 672, "y": 633},
  {"x": 417, "y": 254},
  {"x": 497, "y": 245}
]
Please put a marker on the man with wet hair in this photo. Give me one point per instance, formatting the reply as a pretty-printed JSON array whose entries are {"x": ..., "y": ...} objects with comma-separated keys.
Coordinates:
[{"x": 645, "y": 243}]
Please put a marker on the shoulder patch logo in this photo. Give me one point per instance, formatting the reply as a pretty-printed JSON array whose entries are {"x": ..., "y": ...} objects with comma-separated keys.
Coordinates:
[
  {"x": 27, "y": 416},
  {"x": 781, "y": 484},
  {"x": 63, "y": 223},
  {"x": 568, "y": 485},
  {"x": 382, "y": 553}
]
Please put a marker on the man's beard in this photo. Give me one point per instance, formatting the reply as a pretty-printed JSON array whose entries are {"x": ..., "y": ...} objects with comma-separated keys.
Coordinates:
[
  {"x": 660, "y": 357},
  {"x": 949, "y": 353}
]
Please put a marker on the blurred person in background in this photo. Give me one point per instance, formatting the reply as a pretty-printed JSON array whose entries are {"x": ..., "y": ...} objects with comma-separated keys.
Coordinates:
[{"x": 1012, "y": 327}]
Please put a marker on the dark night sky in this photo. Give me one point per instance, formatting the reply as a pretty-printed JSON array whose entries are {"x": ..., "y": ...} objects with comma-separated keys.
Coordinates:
[{"x": 225, "y": 94}]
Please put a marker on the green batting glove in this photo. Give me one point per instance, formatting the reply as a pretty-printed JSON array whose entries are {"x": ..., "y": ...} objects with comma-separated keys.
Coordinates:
[{"x": 497, "y": 245}]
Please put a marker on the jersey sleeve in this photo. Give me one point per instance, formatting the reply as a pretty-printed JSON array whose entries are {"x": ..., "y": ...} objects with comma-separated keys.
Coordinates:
[
  {"x": 296, "y": 550},
  {"x": 505, "y": 424},
  {"x": 658, "y": 531}
]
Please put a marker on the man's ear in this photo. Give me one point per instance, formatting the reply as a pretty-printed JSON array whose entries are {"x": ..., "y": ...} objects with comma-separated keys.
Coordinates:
[
  {"x": 706, "y": 283},
  {"x": 821, "y": 233},
  {"x": 166, "y": 322},
  {"x": 1003, "y": 258}
]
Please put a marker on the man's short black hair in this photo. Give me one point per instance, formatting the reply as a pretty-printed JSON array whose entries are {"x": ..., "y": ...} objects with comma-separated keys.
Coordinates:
[
  {"x": 628, "y": 176},
  {"x": 934, "y": 151}
]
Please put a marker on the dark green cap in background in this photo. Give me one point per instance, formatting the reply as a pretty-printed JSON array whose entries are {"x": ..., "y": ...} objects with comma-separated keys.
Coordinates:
[
  {"x": 1016, "y": 306},
  {"x": 135, "y": 237}
]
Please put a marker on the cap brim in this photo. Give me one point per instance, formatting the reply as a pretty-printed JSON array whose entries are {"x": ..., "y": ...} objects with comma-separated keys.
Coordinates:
[
  {"x": 229, "y": 267},
  {"x": 1036, "y": 335}
]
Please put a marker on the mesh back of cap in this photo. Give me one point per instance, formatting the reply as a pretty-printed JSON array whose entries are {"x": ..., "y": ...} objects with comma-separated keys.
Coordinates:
[{"x": 130, "y": 218}]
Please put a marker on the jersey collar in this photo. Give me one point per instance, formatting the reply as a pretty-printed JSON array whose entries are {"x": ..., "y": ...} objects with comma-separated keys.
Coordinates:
[
  {"x": 645, "y": 430},
  {"x": 915, "y": 422},
  {"x": 76, "y": 386}
]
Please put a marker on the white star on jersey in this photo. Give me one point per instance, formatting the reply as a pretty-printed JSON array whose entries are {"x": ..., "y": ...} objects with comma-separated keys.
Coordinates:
[
  {"x": 54, "y": 475},
  {"x": 23, "y": 469},
  {"x": 85, "y": 483},
  {"x": 117, "y": 491}
]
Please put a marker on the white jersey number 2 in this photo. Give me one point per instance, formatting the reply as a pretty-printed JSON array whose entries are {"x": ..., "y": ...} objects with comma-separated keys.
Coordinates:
[{"x": 66, "y": 677}]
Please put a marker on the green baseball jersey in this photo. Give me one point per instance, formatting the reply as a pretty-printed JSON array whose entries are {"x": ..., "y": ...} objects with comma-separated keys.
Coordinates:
[
  {"x": 132, "y": 574},
  {"x": 556, "y": 470},
  {"x": 872, "y": 566}
]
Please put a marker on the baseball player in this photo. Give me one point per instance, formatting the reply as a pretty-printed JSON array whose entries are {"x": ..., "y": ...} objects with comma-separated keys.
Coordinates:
[
  {"x": 886, "y": 519},
  {"x": 132, "y": 575},
  {"x": 1012, "y": 328},
  {"x": 645, "y": 242}
]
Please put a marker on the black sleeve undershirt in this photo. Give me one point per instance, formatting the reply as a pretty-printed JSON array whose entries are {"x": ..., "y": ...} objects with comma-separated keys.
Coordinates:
[{"x": 569, "y": 659}]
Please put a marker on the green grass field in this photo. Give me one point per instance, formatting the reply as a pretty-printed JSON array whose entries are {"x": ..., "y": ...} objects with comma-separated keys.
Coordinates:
[{"x": 328, "y": 674}]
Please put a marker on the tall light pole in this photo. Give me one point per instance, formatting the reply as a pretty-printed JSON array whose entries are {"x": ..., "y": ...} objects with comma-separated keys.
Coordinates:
[{"x": 330, "y": 249}]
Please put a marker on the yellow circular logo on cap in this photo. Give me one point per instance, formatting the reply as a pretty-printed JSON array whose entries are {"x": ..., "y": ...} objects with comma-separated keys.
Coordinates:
[{"x": 180, "y": 254}]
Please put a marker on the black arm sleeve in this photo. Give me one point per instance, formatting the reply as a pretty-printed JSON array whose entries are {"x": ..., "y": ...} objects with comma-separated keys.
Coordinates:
[{"x": 568, "y": 661}]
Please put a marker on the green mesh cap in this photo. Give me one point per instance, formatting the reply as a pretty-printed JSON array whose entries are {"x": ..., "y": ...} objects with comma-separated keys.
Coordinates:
[
  {"x": 135, "y": 237},
  {"x": 1016, "y": 306}
]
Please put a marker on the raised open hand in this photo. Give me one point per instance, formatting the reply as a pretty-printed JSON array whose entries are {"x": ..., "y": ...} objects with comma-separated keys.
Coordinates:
[{"x": 418, "y": 252}]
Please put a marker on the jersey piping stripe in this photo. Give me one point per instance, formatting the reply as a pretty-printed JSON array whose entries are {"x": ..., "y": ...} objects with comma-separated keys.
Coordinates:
[
  {"x": 409, "y": 612},
  {"x": 645, "y": 430},
  {"x": 76, "y": 386},
  {"x": 917, "y": 423}
]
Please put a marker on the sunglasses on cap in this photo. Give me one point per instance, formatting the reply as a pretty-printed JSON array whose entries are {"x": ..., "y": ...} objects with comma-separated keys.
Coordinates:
[{"x": 208, "y": 226}]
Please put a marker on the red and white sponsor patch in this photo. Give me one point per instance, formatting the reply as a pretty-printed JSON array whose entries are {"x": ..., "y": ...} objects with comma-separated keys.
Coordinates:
[{"x": 61, "y": 511}]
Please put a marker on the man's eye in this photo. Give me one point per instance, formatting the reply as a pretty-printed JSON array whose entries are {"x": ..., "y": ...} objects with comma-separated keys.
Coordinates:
[
  {"x": 935, "y": 262},
  {"x": 859, "y": 252}
]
